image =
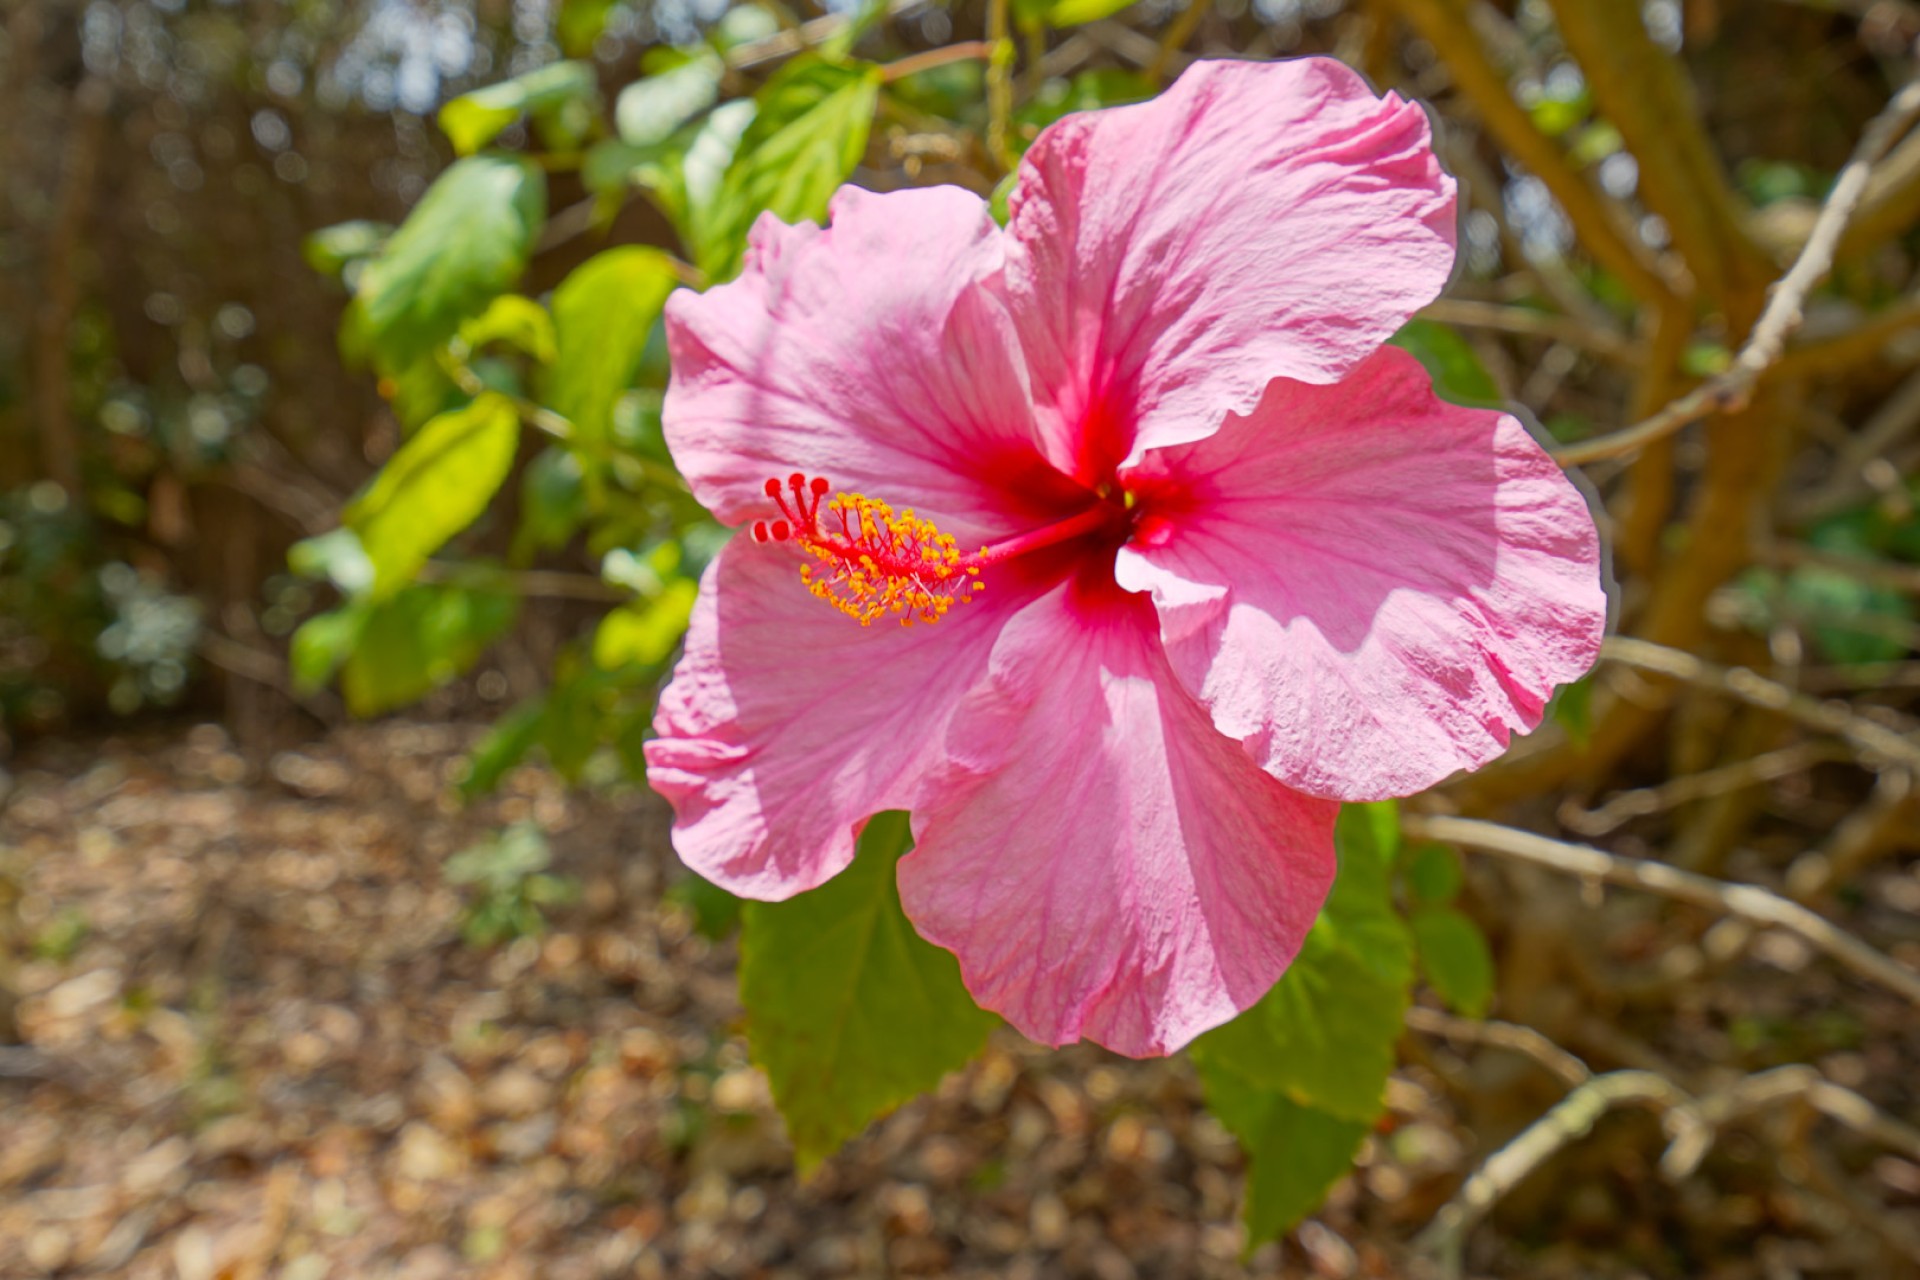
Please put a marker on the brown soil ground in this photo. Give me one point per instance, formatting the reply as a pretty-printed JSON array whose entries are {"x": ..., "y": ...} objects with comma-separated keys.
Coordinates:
[{"x": 241, "y": 1036}]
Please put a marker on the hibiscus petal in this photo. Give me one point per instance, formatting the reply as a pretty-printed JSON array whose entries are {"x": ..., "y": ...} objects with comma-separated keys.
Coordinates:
[
  {"x": 788, "y": 724},
  {"x": 1369, "y": 586},
  {"x": 1257, "y": 220},
  {"x": 865, "y": 352},
  {"x": 1101, "y": 860}
]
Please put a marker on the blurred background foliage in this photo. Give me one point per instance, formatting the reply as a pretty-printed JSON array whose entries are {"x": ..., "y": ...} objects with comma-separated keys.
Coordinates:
[{"x": 330, "y": 383}]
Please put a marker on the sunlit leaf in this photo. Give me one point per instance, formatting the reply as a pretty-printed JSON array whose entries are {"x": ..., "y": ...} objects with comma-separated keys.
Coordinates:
[
  {"x": 643, "y": 633},
  {"x": 849, "y": 1011},
  {"x": 807, "y": 135},
  {"x": 435, "y": 486},
  {"x": 472, "y": 120},
  {"x": 517, "y": 322},
  {"x": 603, "y": 313},
  {"x": 464, "y": 243},
  {"x": 652, "y": 108},
  {"x": 331, "y": 249}
]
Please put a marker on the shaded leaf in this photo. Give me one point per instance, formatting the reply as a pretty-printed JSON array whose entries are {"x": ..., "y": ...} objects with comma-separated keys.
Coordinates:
[
  {"x": 1294, "y": 1154},
  {"x": 1450, "y": 361},
  {"x": 849, "y": 1011},
  {"x": 435, "y": 486},
  {"x": 1324, "y": 1036},
  {"x": 1455, "y": 958},
  {"x": 1432, "y": 873},
  {"x": 420, "y": 639}
]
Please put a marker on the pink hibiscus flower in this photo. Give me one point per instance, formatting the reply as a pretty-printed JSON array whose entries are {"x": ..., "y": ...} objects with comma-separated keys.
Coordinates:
[{"x": 1187, "y": 555}]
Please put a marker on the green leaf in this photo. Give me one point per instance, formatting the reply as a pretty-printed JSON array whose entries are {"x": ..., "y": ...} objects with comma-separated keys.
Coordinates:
[
  {"x": 580, "y": 24},
  {"x": 331, "y": 250},
  {"x": 435, "y": 486},
  {"x": 517, "y": 322},
  {"x": 808, "y": 134},
  {"x": 1294, "y": 1153},
  {"x": 849, "y": 1011},
  {"x": 643, "y": 633},
  {"x": 464, "y": 243},
  {"x": 506, "y": 745},
  {"x": 472, "y": 120},
  {"x": 553, "y": 503},
  {"x": 1432, "y": 873},
  {"x": 1456, "y": 371},
  {"x": 1572, "y": 709},
  {"x": 322, "y": 644},
  {"x": 1324, "y": 1036},
  {"x": 1300, "y": 1077},
  {"x": 1455, "y": 957},
  {"x": 336, "y": 556},
  {"x": 419, "y": 640},
  {"x": 1069, "y": 13},
  {"x": 652, "y": 108},
  {"x": 603, "y": 313}
]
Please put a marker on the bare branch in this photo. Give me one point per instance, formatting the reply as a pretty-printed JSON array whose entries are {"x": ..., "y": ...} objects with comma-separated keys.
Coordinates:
[
  {"x": 1751, "y": 902},
  {"x": 1731, "y": 390}
]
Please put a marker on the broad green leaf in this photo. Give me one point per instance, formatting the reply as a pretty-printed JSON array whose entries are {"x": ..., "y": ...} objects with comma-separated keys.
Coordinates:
[
  {"x": 1455, "y": 958},
  {"x": 331, "y": 250},
  {"x": 643, "y": 633},
  {"x": 517, "y": 322},
  {"x": 464, "y": 243},
  {"x": 420, "y": 639},
  {"x": 1456, "y": 371},
  {"x": 849, "y": 1011},
  {"x": 1294, "y": 1153},
  {"x": 472, "y": 120},
  {"x": 1324, "y": 1036},
  {"x": 652, "y": 108},
  {"x": 435, "y": 486},
  {"x": 1432, "y": 873},
  {"x": 1300, "y": 1077},
  {"x": 322, "y": 644},
  {"x": 808, "y": 133},
  {"x": 603, "y": 313}
]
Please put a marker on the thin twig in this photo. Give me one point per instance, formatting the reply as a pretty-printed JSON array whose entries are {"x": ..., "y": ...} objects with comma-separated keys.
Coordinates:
[
  {"x": 1871, "y": 737},
  {"x": 1570, "y": 1119},
  {"x": 1503, "y": 1035},
  {"x": 1750, "y": 902},
  {"x": 927, "y": 59},
  {"x": 1730, "y": 390},
  {"x": 1640, "y": 802},
  {"x": 1528, "y": 322}
]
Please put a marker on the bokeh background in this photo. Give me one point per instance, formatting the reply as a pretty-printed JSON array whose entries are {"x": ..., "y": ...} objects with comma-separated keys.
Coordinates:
[{"x": 283, "y": 993}]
